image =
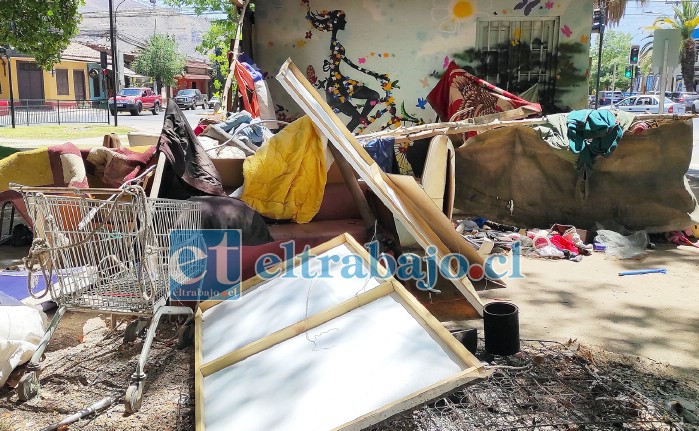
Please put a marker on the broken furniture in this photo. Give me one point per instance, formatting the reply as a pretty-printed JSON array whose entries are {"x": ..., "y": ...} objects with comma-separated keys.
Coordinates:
[
  {"x": 400, "y": 194},
  {"x": 330, "y": 352}
]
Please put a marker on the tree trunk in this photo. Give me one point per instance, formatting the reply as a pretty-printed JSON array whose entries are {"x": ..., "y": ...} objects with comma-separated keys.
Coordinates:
[{"x": 689, "y": 57}]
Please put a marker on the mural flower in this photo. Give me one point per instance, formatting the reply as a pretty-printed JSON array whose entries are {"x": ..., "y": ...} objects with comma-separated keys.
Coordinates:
[{"x": 450, "y": 14}]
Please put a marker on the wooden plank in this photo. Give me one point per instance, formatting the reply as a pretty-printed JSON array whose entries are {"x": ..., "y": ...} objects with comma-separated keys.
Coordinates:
[
  {"x": 256, "y": 280},
  {"x": 431, "y": 393},
  {"x": 291, "y": 331},
  {"x": 158, "y": 176},
  {"x": 198, "y": 377},
  {"x": 482, "y": 124},
  {"x": 420, "y": 228},
  {"x": 364, "y": 254},
  {"x": 435, "y": 173}
]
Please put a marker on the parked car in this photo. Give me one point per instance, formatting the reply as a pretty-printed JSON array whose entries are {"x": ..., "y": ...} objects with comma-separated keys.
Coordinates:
[
  {"x": 647, "y": 103},
  {"x": 135, "y": 100},
  {"x": 687, "y": 98},
  {"x": 605, "y": 98},
  {"x": 610, "y": 97},
  {"x": 213, "y": 101},
  {"x": 190, "y": 98}
]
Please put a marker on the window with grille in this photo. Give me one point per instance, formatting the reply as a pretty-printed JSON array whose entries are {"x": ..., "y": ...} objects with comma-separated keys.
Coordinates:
[
  {"x": 517, "y": 53},
  {"x": 62, "y": 88}
]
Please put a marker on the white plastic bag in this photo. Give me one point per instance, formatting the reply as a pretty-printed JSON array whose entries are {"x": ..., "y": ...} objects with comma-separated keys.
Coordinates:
[{"x": 623, "y": 246}]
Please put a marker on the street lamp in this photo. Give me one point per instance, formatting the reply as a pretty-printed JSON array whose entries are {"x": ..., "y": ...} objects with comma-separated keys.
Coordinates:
[
  {"x": 115, "y": 66},
  {"x": 599, "y": 20},
  {"x": 112, "y": 39},
  {"x": 12, "y": 94}
]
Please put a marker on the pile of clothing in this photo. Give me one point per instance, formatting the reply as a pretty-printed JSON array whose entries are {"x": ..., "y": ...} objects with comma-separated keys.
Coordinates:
[
  {"x": 558, "y": 242},
  {"x": 238, "y": 136}
]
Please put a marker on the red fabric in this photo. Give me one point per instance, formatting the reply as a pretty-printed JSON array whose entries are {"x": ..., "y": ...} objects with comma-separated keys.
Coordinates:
[
  {"x": 563, "y": 244},
  {"x": 67, "y": 171},
  {"x": 246, "y": 88},
  {"x": 458, "y": 90},
  {"x": 113, "y": 167},
  {"x": 679, "y": 238},
  {"x": 199, "y": 129}
]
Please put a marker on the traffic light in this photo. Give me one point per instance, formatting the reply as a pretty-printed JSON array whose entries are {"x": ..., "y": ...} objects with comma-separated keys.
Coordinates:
[
  {"x": 598, "y": 21},
  {"x": 103, "y": 60},
  {"x": 633, "y": 58},
  {"x": 628, "y": 72}
]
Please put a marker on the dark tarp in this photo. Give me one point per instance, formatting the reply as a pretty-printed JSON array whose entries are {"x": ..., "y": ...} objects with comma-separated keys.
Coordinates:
[
  {"x": 190, "y": 171},
  {"x": 511, "y": 175},
  {"x": 223, "y": 212}
]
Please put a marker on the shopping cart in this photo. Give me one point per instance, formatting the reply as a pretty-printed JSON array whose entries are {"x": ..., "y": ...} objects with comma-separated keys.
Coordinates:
[{"x": 109, "y": 251}]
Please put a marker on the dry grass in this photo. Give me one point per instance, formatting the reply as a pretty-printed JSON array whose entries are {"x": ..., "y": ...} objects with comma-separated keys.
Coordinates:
[{"x": 61, "y": 132}]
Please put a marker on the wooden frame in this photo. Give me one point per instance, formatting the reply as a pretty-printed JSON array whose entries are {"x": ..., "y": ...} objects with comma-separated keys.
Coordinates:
[
  {"x": 471, "y": 368},
  {"x": 426, "y": 223}
]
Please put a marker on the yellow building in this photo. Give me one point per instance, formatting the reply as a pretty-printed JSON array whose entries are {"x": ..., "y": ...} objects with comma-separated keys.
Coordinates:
[{"x": 76, "y": 78}]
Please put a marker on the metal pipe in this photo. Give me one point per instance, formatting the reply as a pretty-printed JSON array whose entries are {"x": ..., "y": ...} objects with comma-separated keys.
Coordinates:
[
  {"x": 12, "y": 93},
  {"x": 112, "y": 39},
  {"x": 599, "y": 56}
]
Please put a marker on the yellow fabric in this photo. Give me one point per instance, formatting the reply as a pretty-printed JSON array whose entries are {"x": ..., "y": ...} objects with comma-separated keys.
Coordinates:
[
  {"x": 286, "y": 178},
  {"x": 29, "y": 168},
  {"x": 139, "y": 149}
]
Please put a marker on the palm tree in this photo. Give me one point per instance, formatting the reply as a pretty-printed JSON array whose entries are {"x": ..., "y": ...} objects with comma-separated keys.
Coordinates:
[
  {"x": 615, "y": 9},
  {"x": 686, "y": 19}
]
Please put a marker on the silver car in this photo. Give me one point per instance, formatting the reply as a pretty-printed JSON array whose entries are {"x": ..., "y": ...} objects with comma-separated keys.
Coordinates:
[{"x": 648, "y": 104}]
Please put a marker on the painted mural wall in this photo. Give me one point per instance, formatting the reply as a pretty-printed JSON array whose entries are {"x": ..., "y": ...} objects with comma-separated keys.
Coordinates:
[{"x": 376, "y": 61}]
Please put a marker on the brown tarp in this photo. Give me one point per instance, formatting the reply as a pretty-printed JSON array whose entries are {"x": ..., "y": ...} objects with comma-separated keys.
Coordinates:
[{"x": 511, "y": 175}]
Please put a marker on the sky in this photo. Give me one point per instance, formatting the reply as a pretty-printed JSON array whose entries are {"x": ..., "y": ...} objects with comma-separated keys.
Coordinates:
[{"x": 637, "y": 17}]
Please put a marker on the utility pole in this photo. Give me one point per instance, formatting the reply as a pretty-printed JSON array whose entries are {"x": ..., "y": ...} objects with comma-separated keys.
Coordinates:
[
  {"x": 600, "y": 17},
  {"x": 12, "y": 94},
  {"x": 112, "y": 38},
  {"x": 613, "y": 81}
]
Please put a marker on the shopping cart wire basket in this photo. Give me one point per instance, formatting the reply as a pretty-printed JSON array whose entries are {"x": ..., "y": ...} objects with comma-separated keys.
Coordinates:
[{"x": 109, "y": 251}]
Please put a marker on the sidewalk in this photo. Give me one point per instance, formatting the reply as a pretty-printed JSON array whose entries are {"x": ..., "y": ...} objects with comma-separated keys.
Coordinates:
[{"x": 36, "y": 143}]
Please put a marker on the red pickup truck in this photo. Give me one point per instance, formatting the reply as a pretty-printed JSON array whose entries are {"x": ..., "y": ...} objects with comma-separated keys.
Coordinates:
[{"x": 135, "y": 100}]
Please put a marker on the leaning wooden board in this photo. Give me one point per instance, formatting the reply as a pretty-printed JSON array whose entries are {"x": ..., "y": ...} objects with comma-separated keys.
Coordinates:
[
  {"x": 425, "y": 223},
  {"x": 320, "y": 354}
]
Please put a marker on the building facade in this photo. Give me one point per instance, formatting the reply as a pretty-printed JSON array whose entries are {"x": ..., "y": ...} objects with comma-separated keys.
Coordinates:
[
  {"x": 77, "y": 77},
  {"x": 398, "y": 50}
]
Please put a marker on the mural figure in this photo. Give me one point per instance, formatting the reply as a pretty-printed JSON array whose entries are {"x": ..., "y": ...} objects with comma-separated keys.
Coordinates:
[
  {"x": 343, "y": 92},
  {"x": 341, "y": 89}
]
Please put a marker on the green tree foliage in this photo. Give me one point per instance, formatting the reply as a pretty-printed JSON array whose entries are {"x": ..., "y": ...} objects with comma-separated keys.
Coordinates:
[
  {"x": 685, "y": 19},
  {"x": 160, "y": 60},
  {"x": 216, "y": 41},
  {"x": 40, "y": 28},
  {"x": 616, "y": 48}
]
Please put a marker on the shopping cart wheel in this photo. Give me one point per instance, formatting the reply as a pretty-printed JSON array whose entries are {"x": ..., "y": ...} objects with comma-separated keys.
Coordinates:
[
  {"x": 134, "y": 330},
  {"x": 133, "y": 397},
  {"x": 28, "y": 386}
]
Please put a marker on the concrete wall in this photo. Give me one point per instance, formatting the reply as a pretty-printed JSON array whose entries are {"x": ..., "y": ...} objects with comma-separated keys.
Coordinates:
[{"x": 399, "y": 49}]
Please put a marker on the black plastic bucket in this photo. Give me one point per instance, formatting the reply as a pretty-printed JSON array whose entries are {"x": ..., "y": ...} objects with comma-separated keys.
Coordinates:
[
  {"x": 501, "y": 328},
  {"x": 469, "y": 338}
]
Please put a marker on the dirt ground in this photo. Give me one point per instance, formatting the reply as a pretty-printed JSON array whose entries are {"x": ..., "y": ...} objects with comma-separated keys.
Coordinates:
[
  {"x": 645, "y": 327},
  {"x": 86, "y": 362}
]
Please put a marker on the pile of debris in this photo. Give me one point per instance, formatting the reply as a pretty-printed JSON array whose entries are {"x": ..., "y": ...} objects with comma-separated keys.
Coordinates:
[{"x": 554, "y": 386}]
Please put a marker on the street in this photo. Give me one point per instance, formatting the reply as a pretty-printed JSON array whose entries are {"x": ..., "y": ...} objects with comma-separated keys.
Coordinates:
[{"x": 149, "y": 123}]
